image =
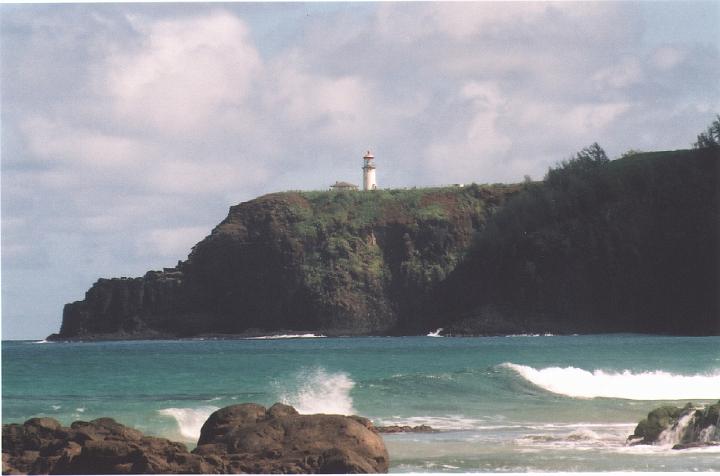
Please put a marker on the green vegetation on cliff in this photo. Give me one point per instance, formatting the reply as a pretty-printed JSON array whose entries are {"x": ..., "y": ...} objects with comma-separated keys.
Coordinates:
[
  {"x": 333, "y": 262},
  {"x": 629, "y": 245}
]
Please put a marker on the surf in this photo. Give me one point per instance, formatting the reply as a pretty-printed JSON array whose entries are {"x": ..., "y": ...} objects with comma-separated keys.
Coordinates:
[
  {"x": 288, "y": 336},
  {"x": 319, "y": 391},
  {"x": 189, "y": 420},
  {"x": 655, "y": 385}
]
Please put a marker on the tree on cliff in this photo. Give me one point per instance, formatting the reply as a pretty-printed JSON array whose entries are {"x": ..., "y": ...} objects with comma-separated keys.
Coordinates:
[
  {"x": 610, "y": 246},
  {"x": 711, "y": 137}
]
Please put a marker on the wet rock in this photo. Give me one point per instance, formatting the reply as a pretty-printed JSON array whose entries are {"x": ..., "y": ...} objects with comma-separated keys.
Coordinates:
[
  {"x": 697, "y": 444},
  {"x": 250, "y": 439},
  {"x": 102, "y": 446},
  {"x": 246, "y": 438},
  {"x": 685, "y": 427}
]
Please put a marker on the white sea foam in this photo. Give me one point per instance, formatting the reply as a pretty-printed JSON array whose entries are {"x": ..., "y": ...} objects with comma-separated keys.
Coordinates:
[
  {"x": 320, "y": 391},
  {"x": 709, "y": 434},
  {"x": 657, "y": 385},
  {"x": 436, "y": 333},
  {"x": 81, "y": 410},
  {"x": 444, "y": 423},
  {"x": 289, "y": 336},
  {"x": 42, "y": 342},
  {"x": 189, "y": 420},
  {"x": 56, "y": 407},
  {"x": 672, "y": 436}
]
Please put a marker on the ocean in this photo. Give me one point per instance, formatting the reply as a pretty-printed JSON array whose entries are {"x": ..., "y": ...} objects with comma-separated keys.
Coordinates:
[{"x": 502, "y": 404}]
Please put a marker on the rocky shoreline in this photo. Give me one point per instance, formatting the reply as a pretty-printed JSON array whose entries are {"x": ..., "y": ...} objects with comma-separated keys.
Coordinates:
[
  {"x": 245, "y": 438},
  {"x": 249, "y": 438},
  {"x": 685, "y": 427}
]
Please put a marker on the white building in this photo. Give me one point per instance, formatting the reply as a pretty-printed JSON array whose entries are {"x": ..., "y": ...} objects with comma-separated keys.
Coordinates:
[{"x": 368, "y": 168}]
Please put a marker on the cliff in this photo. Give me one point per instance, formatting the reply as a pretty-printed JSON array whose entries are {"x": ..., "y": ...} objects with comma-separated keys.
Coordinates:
[
  {"x": 339, "y": 263},
  {"x": 629, "y": 245}
]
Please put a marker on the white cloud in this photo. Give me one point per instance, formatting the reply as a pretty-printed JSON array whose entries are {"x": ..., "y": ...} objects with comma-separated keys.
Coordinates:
[
  {"x": 457, "y": 20},
  {"x": 170, "y": 242},
  {"x": 667, "y": 57},
  {"x": 476, "y": 143},
  {"x": 333, "y": 107},
  {"x": 184, "y": 74},
  {"x": 56, "y": 142},
  {"x": 574, "y": 120},
  {"x": 622, "y": 74}
]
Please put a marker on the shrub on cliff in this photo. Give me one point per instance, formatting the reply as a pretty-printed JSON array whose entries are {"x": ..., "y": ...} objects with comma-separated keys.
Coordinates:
[{"x": 599, "y": 245}]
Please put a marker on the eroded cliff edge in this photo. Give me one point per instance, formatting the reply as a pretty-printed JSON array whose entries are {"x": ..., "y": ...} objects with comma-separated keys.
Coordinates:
[
  {"x": 629, "y": 245},
  {"x": 340, "y": 263}
]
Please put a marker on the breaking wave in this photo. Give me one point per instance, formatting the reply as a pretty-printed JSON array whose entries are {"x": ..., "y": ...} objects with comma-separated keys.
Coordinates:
[
  {"x": 657, "y": 385},
  {"x": 320, "y": 391},
  {"x": 189, "y": 420}
]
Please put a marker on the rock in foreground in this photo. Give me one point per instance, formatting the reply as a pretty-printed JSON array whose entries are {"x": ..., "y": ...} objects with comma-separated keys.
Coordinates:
[
  {"x": 102, "y": 446},
  {"x": 685, "y": 427},
  {"x": 250, "y": 439},
  {"x": 244, "y": 438}
]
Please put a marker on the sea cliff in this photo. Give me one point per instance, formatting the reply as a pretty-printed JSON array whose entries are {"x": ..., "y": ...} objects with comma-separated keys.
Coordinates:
[
  {"x": 629, "y": 245},
  {"x": 337, "y": 263}
]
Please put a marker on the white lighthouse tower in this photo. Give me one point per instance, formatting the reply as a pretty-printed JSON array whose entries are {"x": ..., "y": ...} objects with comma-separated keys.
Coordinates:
[{"x": 369, "y": 182}]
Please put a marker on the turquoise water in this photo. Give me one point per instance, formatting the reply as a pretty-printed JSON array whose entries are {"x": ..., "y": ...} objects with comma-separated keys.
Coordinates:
[{"x": 523, "y": 403}]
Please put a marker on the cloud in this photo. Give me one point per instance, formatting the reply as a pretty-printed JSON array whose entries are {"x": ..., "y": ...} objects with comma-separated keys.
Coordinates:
[
  {"x": 667, "y": 57},
  {"x": 183, "y": 74},
  {"x": 169, "y": 242},
  {"x": 468, "y": 148}
]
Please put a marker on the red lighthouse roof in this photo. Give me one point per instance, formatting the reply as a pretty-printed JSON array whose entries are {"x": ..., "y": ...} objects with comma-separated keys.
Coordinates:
[{"x": 368, "y": 155}]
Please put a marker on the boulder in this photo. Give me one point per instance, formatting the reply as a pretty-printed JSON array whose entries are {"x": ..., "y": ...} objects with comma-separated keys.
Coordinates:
[
  {"x": 102, "y": 446},
  {"x": 686, "y": 427},
  {"x": 246, "y": 438},
  {"x": 250, "y": 439}
]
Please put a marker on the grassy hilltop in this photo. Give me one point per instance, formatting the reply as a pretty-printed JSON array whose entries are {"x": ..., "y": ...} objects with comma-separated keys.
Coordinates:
[{"x": 598, "y": 246}]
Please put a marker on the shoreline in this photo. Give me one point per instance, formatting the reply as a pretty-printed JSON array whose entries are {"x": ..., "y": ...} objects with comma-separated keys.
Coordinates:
[{"x": 296, "y": 335}]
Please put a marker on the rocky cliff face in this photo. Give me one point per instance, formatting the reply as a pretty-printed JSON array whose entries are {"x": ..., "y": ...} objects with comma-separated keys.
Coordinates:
[
  {"x": 341, "y": 263},
  {"x": 629, "y": 245}
]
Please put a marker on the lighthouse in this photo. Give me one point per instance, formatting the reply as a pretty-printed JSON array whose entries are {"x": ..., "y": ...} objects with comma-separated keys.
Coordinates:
[{"x": 368, "y": 168}]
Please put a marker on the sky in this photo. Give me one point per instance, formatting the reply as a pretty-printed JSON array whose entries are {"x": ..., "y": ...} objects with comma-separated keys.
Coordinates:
[{"x": 128, "y": 130}]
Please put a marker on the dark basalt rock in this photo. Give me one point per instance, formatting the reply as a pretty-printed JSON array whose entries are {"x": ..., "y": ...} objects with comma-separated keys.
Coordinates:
[
  {"x": 102, "y": 446},
  {"x": 693, "y": 427},
  {"x": 250, "y": 439},
  {"x": 330, "y": 263},
  {"x": 244, "y": 438}
]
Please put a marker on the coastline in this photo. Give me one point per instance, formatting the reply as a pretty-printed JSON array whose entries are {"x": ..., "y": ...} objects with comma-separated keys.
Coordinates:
[
  {"x": 290, "y": 334},
  {"x": 496, "y": 400}
]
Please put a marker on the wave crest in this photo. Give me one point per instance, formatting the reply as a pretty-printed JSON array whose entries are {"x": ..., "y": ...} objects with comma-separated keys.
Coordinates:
[
  {"x": 657, "y": 385},
  {"x": 320, "y": 391},
  {"x": 189, "y": 420}
]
